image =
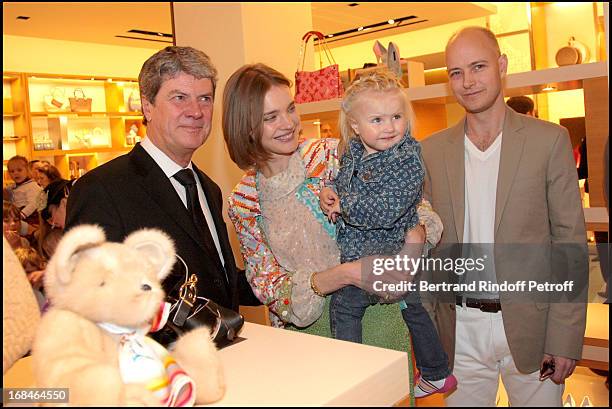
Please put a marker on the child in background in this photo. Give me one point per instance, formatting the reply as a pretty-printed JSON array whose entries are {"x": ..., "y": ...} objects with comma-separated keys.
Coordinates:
[
  {"x": 13, "y": 227},
  {"x": 25, "y": 191},
  {"x": 47, "y": 174},
  {"x": 34, "y": 266},
  {"x": 378, "y": 188}
]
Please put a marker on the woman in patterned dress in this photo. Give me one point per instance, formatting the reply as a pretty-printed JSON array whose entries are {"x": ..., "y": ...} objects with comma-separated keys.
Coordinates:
[{"x": 288, "y": 244}]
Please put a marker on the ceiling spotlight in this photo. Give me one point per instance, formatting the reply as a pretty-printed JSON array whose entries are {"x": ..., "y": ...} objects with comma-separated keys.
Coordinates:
[
  {"x": 549, "y": 88},
  {"x": 23, "y": 18},
  {"x": 383, "y": 25}
]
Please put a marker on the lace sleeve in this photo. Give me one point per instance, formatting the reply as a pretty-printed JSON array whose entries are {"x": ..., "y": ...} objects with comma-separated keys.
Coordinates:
[{"x": 432, "y": 223}]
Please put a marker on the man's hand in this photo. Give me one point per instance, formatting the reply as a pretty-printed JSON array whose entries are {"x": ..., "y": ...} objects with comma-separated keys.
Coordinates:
[
  {"x": 330, "y": 203},
  {"x": 564, "y": 367}
]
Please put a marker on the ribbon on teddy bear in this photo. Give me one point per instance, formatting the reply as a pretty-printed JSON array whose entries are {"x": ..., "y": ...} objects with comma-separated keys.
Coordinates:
[{"x": 142, "y": 360}]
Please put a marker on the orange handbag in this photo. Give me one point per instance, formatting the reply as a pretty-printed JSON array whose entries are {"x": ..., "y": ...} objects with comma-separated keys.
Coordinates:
[
  {"x": 80, "y": 103},
  {"x": 325, "y": 83}
]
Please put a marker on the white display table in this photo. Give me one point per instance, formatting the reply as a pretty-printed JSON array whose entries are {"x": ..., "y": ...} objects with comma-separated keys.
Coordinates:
[{"x": 275, "y": 367}]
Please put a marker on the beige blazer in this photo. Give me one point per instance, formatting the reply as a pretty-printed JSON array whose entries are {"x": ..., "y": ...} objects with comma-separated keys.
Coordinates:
[{"x": 538, "y": 201}]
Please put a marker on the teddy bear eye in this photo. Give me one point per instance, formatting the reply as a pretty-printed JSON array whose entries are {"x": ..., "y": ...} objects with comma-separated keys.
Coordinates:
[{"x": 102, "y": 283}]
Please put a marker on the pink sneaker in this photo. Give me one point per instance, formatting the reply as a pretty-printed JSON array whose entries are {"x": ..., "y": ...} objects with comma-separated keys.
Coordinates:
[{"x": 425, "y": 388}]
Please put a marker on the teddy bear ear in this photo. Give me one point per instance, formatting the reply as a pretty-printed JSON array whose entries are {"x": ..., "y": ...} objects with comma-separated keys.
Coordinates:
[
  {"x": 156, "y": 246},
  {"x": 75, "y": 240}
]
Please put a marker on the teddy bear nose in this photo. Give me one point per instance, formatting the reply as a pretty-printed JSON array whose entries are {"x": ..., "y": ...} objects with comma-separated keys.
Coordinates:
[{"x": 145, "y": 287}]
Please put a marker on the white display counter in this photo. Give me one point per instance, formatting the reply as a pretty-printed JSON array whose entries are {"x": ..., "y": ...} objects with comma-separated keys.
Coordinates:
[{"x": 274, "y": 367}]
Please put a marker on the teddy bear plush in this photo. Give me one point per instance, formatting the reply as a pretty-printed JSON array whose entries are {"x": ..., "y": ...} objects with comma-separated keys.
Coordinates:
[{"x": 104, "y": 298}]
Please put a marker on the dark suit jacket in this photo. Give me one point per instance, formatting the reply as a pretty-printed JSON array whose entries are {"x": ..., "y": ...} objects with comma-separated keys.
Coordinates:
[{"x": 132, "y": 192}]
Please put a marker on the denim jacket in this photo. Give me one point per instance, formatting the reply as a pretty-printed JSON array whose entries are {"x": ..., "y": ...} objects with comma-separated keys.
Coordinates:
[{"x": 379, "y": 194}]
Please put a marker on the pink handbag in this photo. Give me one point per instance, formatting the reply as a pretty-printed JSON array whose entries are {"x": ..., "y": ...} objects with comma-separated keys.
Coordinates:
[{"x": 319, "y": 85}]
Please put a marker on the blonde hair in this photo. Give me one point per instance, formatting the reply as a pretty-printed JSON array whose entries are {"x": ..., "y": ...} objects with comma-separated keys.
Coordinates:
[{"x": 377, "y": 80}]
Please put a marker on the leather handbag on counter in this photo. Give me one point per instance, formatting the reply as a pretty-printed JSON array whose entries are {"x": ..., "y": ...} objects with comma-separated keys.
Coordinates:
[
  {"x": 189, "y": 311},
  {"x": 325, "y": 83}
]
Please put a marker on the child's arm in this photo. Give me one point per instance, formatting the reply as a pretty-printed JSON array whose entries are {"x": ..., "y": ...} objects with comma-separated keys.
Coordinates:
[
  {"x": 31, "y": 200},
  {"x": 330, "y": 203}
]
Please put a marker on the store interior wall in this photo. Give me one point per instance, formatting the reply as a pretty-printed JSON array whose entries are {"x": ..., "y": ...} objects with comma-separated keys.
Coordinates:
[
  {"x": 41, "y": 55},
  {"x": 231, "y": 34},
  {"x": 199, "y": 24}
]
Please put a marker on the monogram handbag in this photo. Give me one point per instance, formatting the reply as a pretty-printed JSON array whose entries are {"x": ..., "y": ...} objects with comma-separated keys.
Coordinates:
[
  {"x": 188, "y": 311},
  {"x": 134, "y": 104},
  {"x": 325, "y": 83},
  {"x": 79, "y": 103},
  {"x": 56, "y": 100}
]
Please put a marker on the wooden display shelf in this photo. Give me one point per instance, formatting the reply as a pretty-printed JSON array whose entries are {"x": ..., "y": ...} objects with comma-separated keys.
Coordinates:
[
  {"x": 90, "y": 151},
  {"x": 596, "y": 218},
  {"x": 595, "y": 352},
  {"x": 11, "y": 114},
  {"x": 87, "y": 114},
  {"x": 523, "y": 83},
  {"x": 76, "y": 78},
  {"x": 12, "y": 138}
]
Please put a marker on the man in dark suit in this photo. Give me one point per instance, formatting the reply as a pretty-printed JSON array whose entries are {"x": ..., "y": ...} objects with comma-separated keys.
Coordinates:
[{"x": 142, "y": 189}]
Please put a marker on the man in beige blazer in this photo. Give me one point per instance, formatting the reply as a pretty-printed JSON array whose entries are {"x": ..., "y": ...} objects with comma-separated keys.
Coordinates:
[{"x": 509, "y": 179}]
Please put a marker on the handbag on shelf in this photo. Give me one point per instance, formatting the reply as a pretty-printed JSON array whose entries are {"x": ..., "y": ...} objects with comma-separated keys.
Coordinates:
[
  {"x": 134, "y": 104},
  {"x": 573, "y": 53},
  {"x": 79, "y": 103},
  {"x": 189, "y": 312},
  {"x": 325, "y": 83},
  {"x": 56, "y": 100}
]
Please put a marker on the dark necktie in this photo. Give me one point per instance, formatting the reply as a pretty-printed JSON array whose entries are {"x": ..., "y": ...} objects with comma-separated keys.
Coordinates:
[{"x": 186, "y": 178}]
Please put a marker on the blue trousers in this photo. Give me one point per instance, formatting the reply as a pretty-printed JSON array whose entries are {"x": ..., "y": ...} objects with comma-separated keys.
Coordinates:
[{"x": 348, "y": 306}]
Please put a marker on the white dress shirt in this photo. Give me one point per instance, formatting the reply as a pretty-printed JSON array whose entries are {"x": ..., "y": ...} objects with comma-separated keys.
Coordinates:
[{"x": 170, "y": 168}]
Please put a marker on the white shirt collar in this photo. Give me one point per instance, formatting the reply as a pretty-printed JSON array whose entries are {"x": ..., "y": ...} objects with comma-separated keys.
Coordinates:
[{"x": 168, "y": 166}]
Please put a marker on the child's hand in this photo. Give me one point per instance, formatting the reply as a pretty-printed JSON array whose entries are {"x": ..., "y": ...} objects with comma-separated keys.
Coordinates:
[
  {"x": 416, "y": 235},
  {"x": 36, "y": 278},
  {"x": 13, "y": 238},
  {"x": 330, "y": 203}
]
